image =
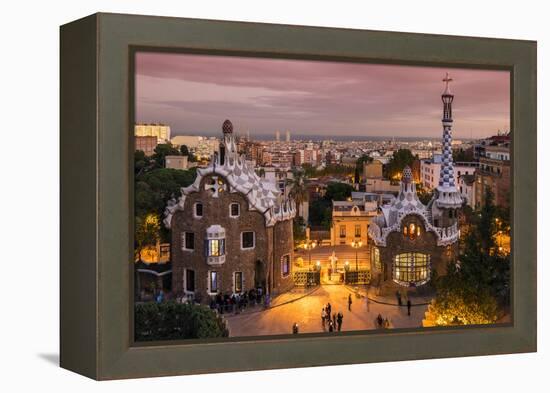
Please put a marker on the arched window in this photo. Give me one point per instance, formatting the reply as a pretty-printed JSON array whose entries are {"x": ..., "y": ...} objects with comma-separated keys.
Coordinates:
[
  {"x": 411, "y": 268},
  {"x": 412, "y": 230}
]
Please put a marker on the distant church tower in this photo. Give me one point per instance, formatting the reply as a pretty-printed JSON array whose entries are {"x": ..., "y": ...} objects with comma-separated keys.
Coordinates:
[{"x": 447, "y": 200}]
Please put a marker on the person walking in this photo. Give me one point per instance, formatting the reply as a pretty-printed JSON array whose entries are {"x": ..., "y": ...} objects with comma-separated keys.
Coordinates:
[
  {"x": 330, "y": 326},
  {"x": 295, "y": 328},
  {"x": 334, "y": 320},
  {"x": 379, "y": 320},
  {"x": 409, "y": 304},
  {"x": 329, "y": 311},
  {"x": 323, "y": 317},
  {"x": 349, "y": 302},
  {"x": 340, "y": 319}
]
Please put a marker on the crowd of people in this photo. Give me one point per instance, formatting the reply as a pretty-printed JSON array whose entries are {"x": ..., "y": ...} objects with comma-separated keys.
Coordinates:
[
  {"x": 238, "y": 302},
  {"x": 331, "y": 321}
]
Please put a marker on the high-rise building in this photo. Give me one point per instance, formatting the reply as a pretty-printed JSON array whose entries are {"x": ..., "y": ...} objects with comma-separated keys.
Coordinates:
[
  {"x": 278, "y": 136},
  {"x": 146, "y": 144},
  {"x": 288, "y": 136},
  {"x": 161, "y": 131}
]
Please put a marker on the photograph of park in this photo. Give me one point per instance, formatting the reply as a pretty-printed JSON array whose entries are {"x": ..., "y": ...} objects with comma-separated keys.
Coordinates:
[{"x": 288, "y": 197}]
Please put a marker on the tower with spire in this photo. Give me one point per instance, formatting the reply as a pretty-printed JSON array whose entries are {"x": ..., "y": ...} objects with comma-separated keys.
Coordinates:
[{"x": 447, "y": 200}]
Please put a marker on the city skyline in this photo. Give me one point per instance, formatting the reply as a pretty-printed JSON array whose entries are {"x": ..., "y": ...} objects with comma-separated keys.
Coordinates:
[{"x": 195, "y": 93}]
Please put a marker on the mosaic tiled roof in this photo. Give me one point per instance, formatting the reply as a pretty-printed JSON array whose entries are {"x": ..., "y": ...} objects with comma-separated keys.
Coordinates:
[{"x": 263, "y": 195}]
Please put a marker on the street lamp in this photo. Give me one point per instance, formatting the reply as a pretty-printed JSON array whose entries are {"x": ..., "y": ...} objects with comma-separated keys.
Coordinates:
[
  {"x": 309, "y": 246},
  {"x": 356, "y": 244}
]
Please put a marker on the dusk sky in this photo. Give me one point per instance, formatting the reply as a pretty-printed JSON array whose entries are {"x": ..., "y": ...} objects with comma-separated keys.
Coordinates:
[{"x": 194, "y": 94}]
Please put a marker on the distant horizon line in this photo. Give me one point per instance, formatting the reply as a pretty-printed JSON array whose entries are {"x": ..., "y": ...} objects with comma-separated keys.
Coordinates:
[{"x": 334, "y": 137}]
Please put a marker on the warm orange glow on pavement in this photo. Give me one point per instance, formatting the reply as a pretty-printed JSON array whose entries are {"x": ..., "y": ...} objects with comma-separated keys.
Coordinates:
[{"x": 307, "y": 313}]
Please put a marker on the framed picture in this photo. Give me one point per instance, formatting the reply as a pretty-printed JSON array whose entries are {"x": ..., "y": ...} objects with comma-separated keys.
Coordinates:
[{"x": 242, "y": 196}]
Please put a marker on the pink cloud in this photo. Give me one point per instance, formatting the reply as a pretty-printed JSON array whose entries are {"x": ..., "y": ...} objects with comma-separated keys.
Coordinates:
[{"x": 195, "y": 93}]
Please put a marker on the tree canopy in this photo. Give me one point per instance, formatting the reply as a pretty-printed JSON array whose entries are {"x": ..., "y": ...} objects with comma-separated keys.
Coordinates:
[
  {"x": 176, "y": 321},
  {"x": 338, "y": 191},
  {"x": 399, "y": 160},
  {"x": 184, "y": 150},
  {"x": 153, "y": 189},
  {"x": 477, "y": 289},
  {"x": 365, "y": 158},
  {"x": 162, "y": 150},
  {"x": 463, "y": 155}
]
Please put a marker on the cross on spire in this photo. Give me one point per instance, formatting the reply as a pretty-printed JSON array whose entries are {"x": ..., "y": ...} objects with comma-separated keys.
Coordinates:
[{"x": 447, "y": 79}]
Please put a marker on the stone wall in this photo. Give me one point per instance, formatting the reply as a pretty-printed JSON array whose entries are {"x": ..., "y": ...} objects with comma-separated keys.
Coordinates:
[
  {"x": 283, "y": 244},
  {"x": 216, "y": 211},
  {"x": 255, "y": 264}
]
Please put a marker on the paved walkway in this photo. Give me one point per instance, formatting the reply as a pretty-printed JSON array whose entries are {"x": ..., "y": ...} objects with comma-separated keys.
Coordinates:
[{"x": 306, "y": 311}]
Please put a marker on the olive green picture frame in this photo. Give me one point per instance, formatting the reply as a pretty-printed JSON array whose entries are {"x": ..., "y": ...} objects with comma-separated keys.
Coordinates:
[{"x": 96, "y": 204}]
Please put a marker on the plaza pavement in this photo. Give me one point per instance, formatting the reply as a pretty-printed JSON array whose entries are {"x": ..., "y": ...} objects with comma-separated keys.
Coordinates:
[{"x": 305, "y": 309}]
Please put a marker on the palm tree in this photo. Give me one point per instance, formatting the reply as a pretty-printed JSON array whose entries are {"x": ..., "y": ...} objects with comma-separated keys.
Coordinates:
[{"x": 298, "y": 188}]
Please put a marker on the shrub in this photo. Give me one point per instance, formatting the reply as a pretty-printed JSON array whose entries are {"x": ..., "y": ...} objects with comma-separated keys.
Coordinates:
[{"x": 176, "y": 321}]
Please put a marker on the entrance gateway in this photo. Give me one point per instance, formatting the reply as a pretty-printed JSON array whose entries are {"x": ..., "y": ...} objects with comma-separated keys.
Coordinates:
[{"x": 325, "y": 275}]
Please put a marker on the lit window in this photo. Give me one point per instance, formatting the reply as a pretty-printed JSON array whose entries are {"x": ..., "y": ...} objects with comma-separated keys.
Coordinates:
[
  {"x": 357, "y": 230},
  {"x": 234, "y": 210},
  {"x": 188, "y": 241},
  {"x": 375, "y": 258},
  {"x": 215, "y": 247},
  {"x": 247, "y": 240},
  {"x": 411, "y": 268},
  {"x": 285, "y": 265},
  {"x": 342, "y": 231},
  {"x": 213, "y": 281},
  {"x": 412, "y": 231},
  {"x": 238, "y": 277},
  {"x": 198, "y": 209}
]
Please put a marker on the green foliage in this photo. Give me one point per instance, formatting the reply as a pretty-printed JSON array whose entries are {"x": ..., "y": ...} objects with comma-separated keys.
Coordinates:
[
  {"x": 463, "y": 155},
  {"x": 184, "y": 150},
  {"x": 320, "y": 213},
  {"x": 400, "y": 159},
  {"x": 487, "y": 224},
  {"x": 473, "y": 292},
  {"x": 176, "y": 321},
  {"x": 146, "y": 233},
  {"x": 338, "y": 191},
  {"x": 309, "y": 170},
  {"x": 365, "y": 158},
  {"x": 153, "y": 189},
  {"x": 142, "y": 163},
  {"x": 299, "y": 230},
  {"x": 424, "y": 195},
  {"x": 161, "y": 151},
  {"x": 459, "y": 303},
  {"x": 298, "y": 190}
]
